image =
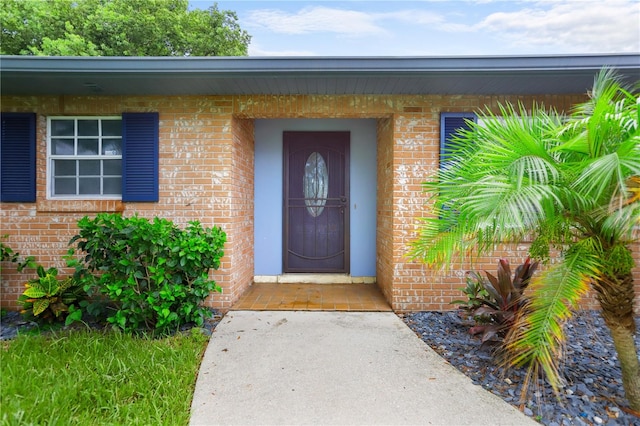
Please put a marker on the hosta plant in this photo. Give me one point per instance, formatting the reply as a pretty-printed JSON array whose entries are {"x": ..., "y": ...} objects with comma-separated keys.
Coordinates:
[
  {"x": 49, "y": 298},
  {"x": 496, "y": 312}
]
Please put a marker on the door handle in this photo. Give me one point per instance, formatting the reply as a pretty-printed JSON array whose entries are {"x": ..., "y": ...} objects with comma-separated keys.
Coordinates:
[{"x": 343, "y": 200}]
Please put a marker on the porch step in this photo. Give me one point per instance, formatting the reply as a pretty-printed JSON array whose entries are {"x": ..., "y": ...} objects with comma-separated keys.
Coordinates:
[
  {"x": 313, "y": 279},
  {"x": 349, "y": 297}
]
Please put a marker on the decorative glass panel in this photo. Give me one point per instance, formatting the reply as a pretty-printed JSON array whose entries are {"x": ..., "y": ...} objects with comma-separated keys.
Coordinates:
[{"x": 316, "y": 184}]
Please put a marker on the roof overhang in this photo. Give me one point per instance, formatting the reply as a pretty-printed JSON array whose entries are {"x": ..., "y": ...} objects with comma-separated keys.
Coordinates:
[{"x": 518, "y": 75}]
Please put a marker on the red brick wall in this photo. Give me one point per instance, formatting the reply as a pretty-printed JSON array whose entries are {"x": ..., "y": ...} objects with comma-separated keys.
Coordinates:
[
  {"x": 384, "y": 203},
  {"x": 206, "y": 173},
  {"x": 197, "y": 178}
]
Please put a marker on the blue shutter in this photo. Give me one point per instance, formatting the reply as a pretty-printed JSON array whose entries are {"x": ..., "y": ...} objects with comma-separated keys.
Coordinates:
[
  {"x": 450, "y": 123},
  {"x": 140, "y": 156},
  {"x": 18, "y": 157}
]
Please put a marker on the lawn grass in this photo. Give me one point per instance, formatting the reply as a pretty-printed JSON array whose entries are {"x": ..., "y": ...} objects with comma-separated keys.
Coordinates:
[{"x": 98, "y": 377}]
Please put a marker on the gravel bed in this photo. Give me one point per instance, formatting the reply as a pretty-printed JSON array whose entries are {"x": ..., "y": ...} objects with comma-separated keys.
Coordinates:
[{"x": 592, "y": 393}]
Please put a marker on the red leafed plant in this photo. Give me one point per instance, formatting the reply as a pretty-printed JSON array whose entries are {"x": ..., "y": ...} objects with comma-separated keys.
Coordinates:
[{"x": 497, "y": 312}]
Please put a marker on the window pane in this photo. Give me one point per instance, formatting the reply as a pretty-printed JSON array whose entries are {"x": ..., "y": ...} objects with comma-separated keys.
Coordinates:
[
  {"x": 64, "y": 167},
  {"x": 88, "y": 147},
  {"x": 89, "y": 168},
  {"x": 64, "y": 186},
  {"x": 112, "y": 168},
  {"x": 62, "y": 147},
  {"x": 62, "y": 127},
  {"x": 87, "y": 127},
  {"x": 112, "y": 186},
  {"x": 112, "y": 147},
  {"x": 111, "y": 127},
  {"x": 89, "y": 186}
]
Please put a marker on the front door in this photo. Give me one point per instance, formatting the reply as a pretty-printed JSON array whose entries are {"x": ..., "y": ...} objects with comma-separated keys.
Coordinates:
[{"x": 316, "y": 202}]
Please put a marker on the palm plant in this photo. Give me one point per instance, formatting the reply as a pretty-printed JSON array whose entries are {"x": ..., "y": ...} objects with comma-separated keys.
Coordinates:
[{"x": 572, "y": 183}]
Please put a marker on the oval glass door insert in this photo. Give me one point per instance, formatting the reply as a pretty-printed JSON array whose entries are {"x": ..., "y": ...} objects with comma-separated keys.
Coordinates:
[{"x": 316, "y": 184}]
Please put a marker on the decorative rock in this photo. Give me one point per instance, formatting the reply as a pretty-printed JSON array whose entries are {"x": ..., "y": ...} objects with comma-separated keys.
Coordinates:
[{"x": 590, "y": 367}]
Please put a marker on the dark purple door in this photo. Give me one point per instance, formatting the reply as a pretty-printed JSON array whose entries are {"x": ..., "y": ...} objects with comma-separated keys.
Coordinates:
[{"x": 316, "y": 202}]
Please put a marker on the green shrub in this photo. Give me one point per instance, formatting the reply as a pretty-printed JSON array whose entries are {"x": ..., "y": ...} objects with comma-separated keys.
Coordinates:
[
  {"x": 8, "y": 255},
  {"x": 156, "y": 273},
  {"x": 475, "y": 292},
  {"x": 48, "y": 298}
]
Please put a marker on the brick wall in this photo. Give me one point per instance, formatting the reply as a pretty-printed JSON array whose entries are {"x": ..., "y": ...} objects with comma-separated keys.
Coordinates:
[
  {"x": 197, "y": 179},
  {"x": 206, "y": 173},
  {"x": 384, "y": 205}
]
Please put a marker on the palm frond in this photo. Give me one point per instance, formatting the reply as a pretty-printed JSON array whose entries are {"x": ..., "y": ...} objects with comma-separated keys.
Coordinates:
[
  {"x": 538, "y": 336},
  {"x": 442, "y": 244},
  {"x": 500, "y": 181},
  {"x": 621, "y": 223},
  {"x": 603, "y": 122},
  {"x": 600, "y": 177}
]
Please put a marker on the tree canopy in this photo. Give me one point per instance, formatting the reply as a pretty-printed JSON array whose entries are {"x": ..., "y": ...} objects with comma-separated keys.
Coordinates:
[{"x": 118, "y": 28}]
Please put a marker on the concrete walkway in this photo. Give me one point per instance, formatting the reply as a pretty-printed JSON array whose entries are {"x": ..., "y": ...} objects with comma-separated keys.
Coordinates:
[{"x": 291, "y": 367}]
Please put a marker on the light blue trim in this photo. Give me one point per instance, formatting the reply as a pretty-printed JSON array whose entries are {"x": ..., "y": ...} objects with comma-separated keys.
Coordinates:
[{"x": 268, "y": 190}]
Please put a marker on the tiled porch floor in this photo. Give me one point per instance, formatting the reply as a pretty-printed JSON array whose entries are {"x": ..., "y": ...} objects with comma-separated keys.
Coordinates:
[{"x": 312, "y": 297}]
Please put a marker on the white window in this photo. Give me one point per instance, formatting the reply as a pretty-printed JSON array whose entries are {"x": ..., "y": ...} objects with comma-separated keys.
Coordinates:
[{"x": 84, "y": 157}]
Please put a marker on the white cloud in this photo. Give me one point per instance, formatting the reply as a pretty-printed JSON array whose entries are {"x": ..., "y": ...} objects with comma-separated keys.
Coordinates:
[
  {"x": 316, "y": 19},
  {"x": 573, "y": 26},
  {"x": 414, "y": 17},
  {"x": 494, "y": 26}
]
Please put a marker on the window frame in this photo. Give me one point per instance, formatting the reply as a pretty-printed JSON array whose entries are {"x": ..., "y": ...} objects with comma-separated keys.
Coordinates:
[{"x": 50, "y": 158}]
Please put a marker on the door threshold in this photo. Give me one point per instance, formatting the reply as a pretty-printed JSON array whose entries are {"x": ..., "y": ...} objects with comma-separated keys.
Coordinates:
[{"x": 313, "y": 279}]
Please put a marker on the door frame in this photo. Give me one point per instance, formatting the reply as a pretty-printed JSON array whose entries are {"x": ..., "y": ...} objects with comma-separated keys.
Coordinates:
[{"x": 347, "y": 215}]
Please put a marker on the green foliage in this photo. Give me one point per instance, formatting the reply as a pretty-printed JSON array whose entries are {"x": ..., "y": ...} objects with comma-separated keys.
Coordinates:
[
  {"x": 497, "y": 312},
  {"x": 83, "y": 377},
  {"x": 618, "y": 261},
  {"x": 573, "y": 183},
  {"x": 47, "y": 298},
  {"x": 474, "y": 291},
  {"x": 8, "y": 255},
  {"x": 156, "y": 273},
  {"x": 119, "y": 28}
]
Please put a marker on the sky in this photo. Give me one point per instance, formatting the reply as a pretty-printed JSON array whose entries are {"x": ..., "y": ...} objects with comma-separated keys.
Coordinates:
[{"x": 437, "y": 27}]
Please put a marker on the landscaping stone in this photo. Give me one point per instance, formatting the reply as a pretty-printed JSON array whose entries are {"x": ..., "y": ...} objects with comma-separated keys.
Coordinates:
[{"x": 592, "y": 393}]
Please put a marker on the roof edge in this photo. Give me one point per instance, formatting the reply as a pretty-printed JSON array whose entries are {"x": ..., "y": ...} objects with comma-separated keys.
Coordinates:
[{"x": 262, "y": 64}]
